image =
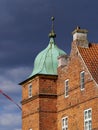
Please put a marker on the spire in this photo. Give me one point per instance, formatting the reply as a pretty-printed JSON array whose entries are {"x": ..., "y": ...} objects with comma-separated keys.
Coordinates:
[{"x": 52, "y": 33}]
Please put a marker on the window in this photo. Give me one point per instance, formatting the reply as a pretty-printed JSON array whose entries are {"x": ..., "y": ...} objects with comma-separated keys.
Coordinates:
[
  {"x": 30, "y": 91},
  {"x": 82, "y": 76},
  {"x": 66, "y": 88},
  {"x": 65, "y": 123},
  {"x": 88, "y": 119}
]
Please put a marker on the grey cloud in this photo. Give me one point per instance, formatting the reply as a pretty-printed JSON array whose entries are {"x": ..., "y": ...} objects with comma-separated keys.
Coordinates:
[
  {"x": 6, "y": 121},
  {"x": 24, "y": 28}
]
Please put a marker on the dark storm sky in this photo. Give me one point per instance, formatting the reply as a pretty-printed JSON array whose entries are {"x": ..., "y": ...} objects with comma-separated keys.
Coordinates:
[{"x": 24, "y": 29}]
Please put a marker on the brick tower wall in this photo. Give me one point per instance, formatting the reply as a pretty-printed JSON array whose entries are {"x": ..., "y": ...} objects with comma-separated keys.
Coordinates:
[{"x": 39, "y": 112}]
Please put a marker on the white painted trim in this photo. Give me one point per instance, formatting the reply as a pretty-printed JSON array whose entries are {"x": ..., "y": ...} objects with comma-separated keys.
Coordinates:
[
  {"x": 82, "y": 84},
  {"x": 65, "y": 126},
  {"x": 88, "y": 119},
  {"x": 65, "y": 88}
]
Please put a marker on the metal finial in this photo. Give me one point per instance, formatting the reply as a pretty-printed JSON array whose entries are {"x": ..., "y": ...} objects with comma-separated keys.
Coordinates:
[
  {"x": 52, "y": 33},
  {"x": 52, "y": 18},
  {"x": 78, "y": 27}
]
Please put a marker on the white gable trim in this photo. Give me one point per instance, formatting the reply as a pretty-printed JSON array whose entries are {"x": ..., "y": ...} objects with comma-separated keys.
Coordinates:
[{"x": 87, "y": 67}]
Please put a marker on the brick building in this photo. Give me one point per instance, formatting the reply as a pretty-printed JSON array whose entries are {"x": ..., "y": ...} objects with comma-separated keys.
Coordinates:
[{"x": 62, "y": 91}]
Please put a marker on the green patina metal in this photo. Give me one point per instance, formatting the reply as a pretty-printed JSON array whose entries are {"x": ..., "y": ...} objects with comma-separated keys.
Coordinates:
[{"x": 46, "y": 61}]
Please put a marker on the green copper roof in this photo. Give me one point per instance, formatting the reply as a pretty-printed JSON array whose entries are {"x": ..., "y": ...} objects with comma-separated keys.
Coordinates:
[{"x": 46, "y": 61}]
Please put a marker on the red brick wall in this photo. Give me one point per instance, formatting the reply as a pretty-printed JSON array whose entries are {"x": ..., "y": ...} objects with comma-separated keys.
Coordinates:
[
  {"x": 31, "y": 121},
  {"x": 76, "y": 115},
  {"x": 48, "y": 121},
  {"x": 40, "y": 112},
  {"x": 48, "y": 105},
  {"x": 74, "y": 105},
  {"x": 35, "y": 88}
]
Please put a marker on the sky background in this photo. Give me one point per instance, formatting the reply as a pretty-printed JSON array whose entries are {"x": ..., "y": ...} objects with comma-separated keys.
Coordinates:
[{"x": 24, "y": 29}]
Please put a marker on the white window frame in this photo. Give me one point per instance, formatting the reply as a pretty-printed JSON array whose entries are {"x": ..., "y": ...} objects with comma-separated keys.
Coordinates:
[
  {"x": 30, "y": 90},
  {"x": 88, "y": 119},
  {"x": 30, "y": 129},
  {"x": 65, "y": 123},
  {"x": 82, "y": 80},
  {"x": 66, "y": 88}
]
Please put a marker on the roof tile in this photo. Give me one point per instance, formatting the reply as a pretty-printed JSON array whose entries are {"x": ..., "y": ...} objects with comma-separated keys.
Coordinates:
[{"x": 90, "y": 57}]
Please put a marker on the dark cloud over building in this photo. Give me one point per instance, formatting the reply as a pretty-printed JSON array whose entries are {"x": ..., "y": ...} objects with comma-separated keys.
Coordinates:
[{"x": 24, "y": 29}]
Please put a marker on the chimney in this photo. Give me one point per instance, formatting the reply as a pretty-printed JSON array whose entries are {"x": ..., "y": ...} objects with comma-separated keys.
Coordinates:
[
  {"x": 80, "y": 35},
  {"x": 62, "y": 60}
]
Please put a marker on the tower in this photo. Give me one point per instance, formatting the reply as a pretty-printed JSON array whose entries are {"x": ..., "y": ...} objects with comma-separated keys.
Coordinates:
[{"x": 39, "y": 91}]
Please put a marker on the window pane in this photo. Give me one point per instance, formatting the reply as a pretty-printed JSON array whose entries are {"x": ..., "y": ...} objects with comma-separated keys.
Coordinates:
[
  {"x": 86, "y": 125},
  {"x": 89, "y": 113},
  {"x": 82, "y": 79},
  {"x": 90, "y": 125},
  {"x": 66, "y": 88},
  {"x": 30, "y": 91},
  {"x": 65, "y": 123},
  {"x": 88, "y": 119},
  {"x": 66, "y": 82},
  {"x": 85, "y": 114}
]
